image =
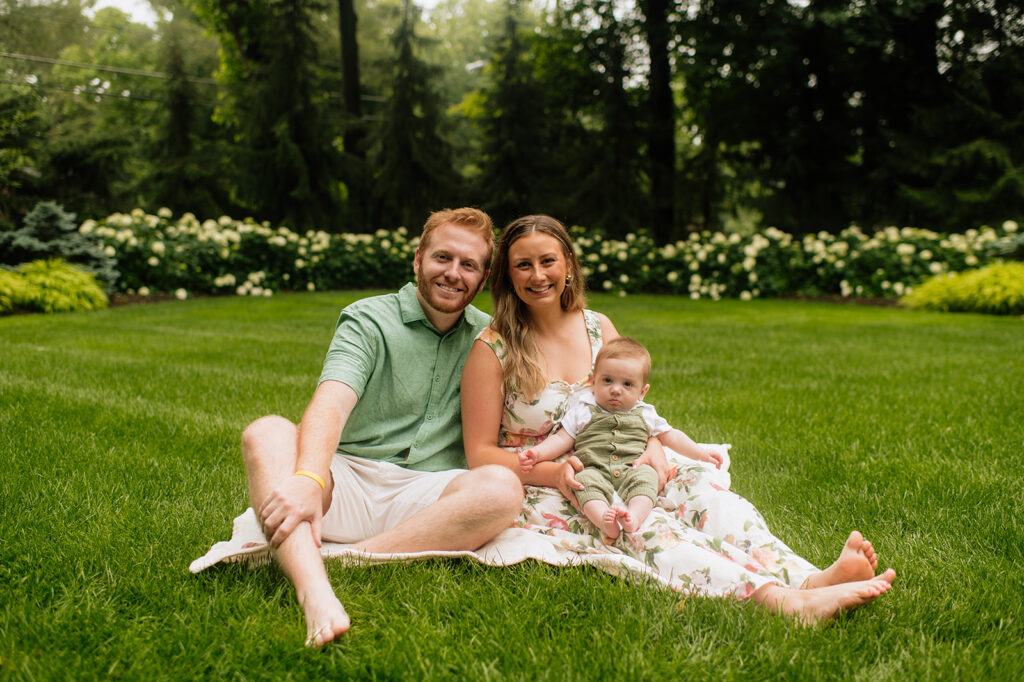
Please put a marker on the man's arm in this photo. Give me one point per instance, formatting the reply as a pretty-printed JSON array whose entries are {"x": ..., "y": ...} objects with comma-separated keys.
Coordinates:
[{"x": 299, "y": 498}]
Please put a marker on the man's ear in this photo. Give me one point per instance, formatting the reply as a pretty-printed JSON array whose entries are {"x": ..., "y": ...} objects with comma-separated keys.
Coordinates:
[
  {"x": 416, "y": 262},
  {"x": 643, "y": 391},
  {"x": 487, "y": 274}
]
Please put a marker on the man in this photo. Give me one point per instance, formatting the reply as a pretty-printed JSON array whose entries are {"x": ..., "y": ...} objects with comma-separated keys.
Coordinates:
[{"x": 376, "y": 459}]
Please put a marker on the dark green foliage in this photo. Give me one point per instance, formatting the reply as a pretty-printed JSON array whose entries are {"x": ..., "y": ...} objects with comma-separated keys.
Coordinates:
[
  {"x": 185, "y": 172},
  {"x": 20, "y": 123},
  {"x": 997, "y": 289},
  {"x": 50, "y": 286},
  {"x": 517, "y": 154},
  {"x": 51, "y": 232},
  {"x": 285, "y": 164},
  {"x": 897, "y": 112},
  {"x": 413, "y": 160}
]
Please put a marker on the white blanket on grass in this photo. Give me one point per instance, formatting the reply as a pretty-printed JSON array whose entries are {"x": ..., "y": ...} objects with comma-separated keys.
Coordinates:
[{"x": 513, "y": 545}]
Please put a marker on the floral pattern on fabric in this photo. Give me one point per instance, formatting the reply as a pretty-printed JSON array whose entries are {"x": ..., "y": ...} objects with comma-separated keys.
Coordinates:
[
  {"x": 701, "y": 538},
  {"x": 525, "y": 423}
]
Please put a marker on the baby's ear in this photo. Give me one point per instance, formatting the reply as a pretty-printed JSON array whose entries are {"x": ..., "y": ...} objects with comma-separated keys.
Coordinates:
[{"x": 643, "y": 391}]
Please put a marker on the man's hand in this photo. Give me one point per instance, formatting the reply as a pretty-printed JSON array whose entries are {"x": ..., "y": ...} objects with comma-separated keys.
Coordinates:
[
  {"x": 527, "y": 458},
  {"x": 654, "y": 457},
  {"x": 297, "y": 499}
]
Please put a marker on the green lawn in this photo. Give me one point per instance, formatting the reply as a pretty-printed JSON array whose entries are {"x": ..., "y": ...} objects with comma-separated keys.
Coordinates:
[{"x": 119, "y": 447}]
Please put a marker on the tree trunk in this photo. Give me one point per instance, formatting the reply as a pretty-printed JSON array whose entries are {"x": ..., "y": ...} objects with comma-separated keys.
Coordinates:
[
  {"x": 350, "y": 78},
  {"x": 661, "y": 147}
]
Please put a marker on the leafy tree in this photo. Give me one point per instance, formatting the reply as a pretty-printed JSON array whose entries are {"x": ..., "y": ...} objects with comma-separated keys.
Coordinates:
[{"x": 20, "y": 126}]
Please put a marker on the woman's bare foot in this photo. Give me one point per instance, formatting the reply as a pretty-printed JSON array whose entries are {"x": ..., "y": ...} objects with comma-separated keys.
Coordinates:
[
  {"x": 610, "y": 525},
  {"x": 326, "y": 618},
  {"x": 857, "y": 561},
  {"x": 812, "y": 606}
]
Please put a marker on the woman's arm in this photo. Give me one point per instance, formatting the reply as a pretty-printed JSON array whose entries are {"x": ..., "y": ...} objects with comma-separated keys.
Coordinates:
[
  {"x": 483, "y": 400},
  {"x": 608, "y": 331}
]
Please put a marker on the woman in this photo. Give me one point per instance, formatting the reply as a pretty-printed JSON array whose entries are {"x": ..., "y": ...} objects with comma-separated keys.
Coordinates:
[{"x": 517, "y": 382}]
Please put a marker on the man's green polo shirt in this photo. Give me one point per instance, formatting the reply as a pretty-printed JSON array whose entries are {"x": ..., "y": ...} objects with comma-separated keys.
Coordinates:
[{"x": 406, "y": 374}]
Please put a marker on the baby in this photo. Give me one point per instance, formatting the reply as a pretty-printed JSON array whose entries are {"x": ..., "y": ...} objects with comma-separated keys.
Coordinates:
[{"x": 609, "y": 427}]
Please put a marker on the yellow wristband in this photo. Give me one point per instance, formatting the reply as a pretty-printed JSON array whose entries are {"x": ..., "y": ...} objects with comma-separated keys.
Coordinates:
[{"x": 310, "y": 474}]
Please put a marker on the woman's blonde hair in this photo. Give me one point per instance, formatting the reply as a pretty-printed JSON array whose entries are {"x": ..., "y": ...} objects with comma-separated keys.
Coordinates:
[{"x": 523, "y": 366}]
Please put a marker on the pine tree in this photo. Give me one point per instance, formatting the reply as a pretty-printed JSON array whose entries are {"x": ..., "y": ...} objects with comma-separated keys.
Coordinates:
[{"x": 413, "y": 159}]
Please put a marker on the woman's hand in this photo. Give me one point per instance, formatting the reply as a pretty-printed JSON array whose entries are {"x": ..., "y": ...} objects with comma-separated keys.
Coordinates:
[
  {"x": 654, "y": 457},
  {"x": 566, "y": 481}
]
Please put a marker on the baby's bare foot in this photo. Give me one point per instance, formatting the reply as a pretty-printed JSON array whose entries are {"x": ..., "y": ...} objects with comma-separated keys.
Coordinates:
[
  {"x": 610, "y": 525},
  {"x": 326, "y": 619},
  {"x": 627, "y": 521},
  {"x": 857, "y": 561}
]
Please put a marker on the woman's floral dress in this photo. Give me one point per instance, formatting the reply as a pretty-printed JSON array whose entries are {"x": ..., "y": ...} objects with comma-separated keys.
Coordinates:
[{"x": 701, "y": 537}]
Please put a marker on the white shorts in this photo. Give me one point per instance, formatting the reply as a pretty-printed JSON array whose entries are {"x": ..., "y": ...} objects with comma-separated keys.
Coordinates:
[{"x": 370, "y": 497}]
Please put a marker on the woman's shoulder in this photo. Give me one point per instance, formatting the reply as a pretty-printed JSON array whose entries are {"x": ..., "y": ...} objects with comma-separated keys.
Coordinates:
[
  {"x": 493, "y": 340},
  {"x": 599, "y": 326}
]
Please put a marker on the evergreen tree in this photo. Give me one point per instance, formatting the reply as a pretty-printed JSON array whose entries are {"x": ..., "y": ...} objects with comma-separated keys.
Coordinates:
[
  {"x": 609, "y": 191},
  {"x": 184, "y": 175},
  {"x": 286, "y": 166},
  {"x": 516, "y": 151},
  {"x": 51, "y": 232},
  {"x": 413, "y": 160}
]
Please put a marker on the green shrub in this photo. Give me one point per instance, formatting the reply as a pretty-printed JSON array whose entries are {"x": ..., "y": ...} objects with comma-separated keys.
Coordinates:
[
  {"x": 14, "y": 291},
  {"x": 51, "y": 286},
  {"x": 51, "y": 232},
  {"x": 997, "y": 289},
  {"x": 159, "y": 253}
]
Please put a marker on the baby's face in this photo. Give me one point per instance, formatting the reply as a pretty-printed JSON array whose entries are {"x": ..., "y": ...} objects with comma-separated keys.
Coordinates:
[{"x": 618, "y": 383}]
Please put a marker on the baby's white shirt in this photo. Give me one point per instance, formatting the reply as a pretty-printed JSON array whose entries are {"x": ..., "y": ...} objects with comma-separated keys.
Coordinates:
[{"x": 578, "y": 415}]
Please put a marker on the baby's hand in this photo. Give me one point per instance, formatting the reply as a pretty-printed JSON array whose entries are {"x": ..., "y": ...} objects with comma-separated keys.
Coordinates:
[
  {"x": 712, "y": 457},
  {"x": 527, "y": 458}
]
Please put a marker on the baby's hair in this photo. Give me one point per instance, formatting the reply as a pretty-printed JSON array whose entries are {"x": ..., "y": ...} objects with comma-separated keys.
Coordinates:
[{"x": 625, "y": 347}]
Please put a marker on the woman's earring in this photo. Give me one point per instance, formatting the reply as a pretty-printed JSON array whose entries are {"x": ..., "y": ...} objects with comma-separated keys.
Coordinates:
[{"x": 568, "y": 279}]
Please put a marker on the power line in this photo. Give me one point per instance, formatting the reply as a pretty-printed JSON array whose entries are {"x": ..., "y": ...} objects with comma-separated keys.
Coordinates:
[
  {"x": 98, "y": 67},
  {"x": 145, "y": 74},
  {"x": 83, "y": 91}
]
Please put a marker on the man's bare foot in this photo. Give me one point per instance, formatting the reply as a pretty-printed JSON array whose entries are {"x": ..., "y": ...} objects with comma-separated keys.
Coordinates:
[
  {"x": 610, "y": 528},
  {"x": 325, "y": 618},
  {"x": 857, "y": 561},
  {"x": 627, "y": 521},
  {"x": 817, "y": 605}
]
